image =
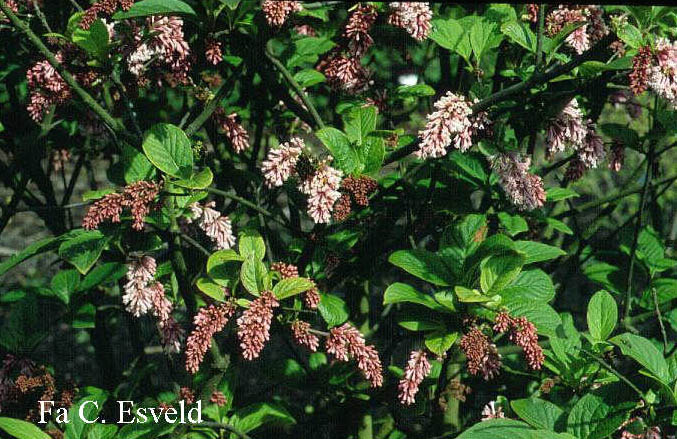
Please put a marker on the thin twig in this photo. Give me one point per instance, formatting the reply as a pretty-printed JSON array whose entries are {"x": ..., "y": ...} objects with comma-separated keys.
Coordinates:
[
  {"x": 657, "y": 308},
  {"x": 41, "y": 16},
  {"x": 539, "y": 41},
  {"x": 67, "y": 77},
  {"x": 76, "y": 6},
  {"x": 295, "y": 85},
  {"x": 610, "y": 368}
]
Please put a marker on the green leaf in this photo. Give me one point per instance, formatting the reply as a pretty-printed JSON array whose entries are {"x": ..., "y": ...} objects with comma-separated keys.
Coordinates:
[
  {"x": 420, "y": 321},
  {"x": 559, "y": 225},
  {"x": 262, "y": 413},
  {"x": 168, "y": 148},
  {"x": 627, "y": 136},
  {"x": 196, "y": 181},
  {"x": 253, "y": 274},
  {"x": 542, "y": 315},
  {"x": 93, "y": 399},
  {"x": 560, "y": 193},
  {"x": 145, "y": 8},
  {"x": 499, "y": 270},
  {"x": 38, "y": 247},
  {"x": 470, "y": 167},
  {"x": 645, "y": 353},
  {"x": 104, "y": 273},
  {"x": 530, "y": 285},
  {"x": 64, "y": 284},
  {"x": 211, "y": 288},
  {"x": 514, "y": 224},
  {"x": 21, "y": 429},
  {"x": 424, "y": 265},
  {"x": 84, "y": 317},
  {"x": 400, "y": 292},
  {"x": 439, "y": 342},
  {"x": 95, "y": 195},
  {"x": 594, "y": 418},
  {"x": 481, "y": 37},
  {"x": 309, "y": 77},
  {"x": 345, "y": 156},
  {"x": 133, "y": 165},
  {"x": 372, "y": 153},
  {"x": 602, "y": 315},
  {"x": 417, "y": 90},
  {"x": 333, "y": 309},
  {"x": 359, "y": 122},
  {"x": 222, "y": 265},
  {"x": 631, "y": 36},
  {"x": 521, "y": 34},
  {"x": 508, "y": 429},
  {"x": 83, "y": 250},
  {"x": 537, "y": 412},
  {"x": 308, "y": 50},
  {"x": 292, "y": 286},
  {"x": 467, "y": 295},
  {"x": 93, "y": 40},
  {"x": 102, "y": 431},
  {"x": 609, "y": 276},
  {"x": 538, "y": 252},
  {"x": 251, "y": 244},
  {"x": 451, "y": 35}
]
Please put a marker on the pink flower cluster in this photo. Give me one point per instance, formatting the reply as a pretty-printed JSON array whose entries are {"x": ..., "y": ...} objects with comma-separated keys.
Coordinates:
[
  {"x": 166, "y": 49},
  {"x": 208, "y": 321},
  {"x": 492, "y": 411},
  {"x": 414, "y": 17},
  {"x": 481, "y": 355},
  {"x": 452, "y": 123},
  {"x": 342, "y": 66},
  {"x": 280, "y": 163},
  {"x": 592, "y": 152},
  {"x": 346, "y": 342},
  {"x": 523, "y": 333},
  {"x": 107, "y": 7},
  {"x": 525, "y": 190},
  {"x": 137, "y": 197},
  {"x": 663, "y": 75},
  {"x": 302, "y": 335},
  {"x": 567, "y": 129},
  {"x": 213, "y": 51},
  {"x": 216, "y": 226},
  {"x": 322, "y": 189},
  {"x": 253, "y": 326},
  {"x": 236, "y": 134},
  {"x": 139, "y": 297},
  {"x": 277, "y": 11},
  {"x": 418, "y": 367},
  {"x": 593, "y": 29},
  {"x": 46, "y": 88}
]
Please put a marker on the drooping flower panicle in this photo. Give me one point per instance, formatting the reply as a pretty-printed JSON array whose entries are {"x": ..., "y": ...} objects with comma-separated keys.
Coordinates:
[
  {"x": 322, "y": 189},
  {"x": 346, "y": 342},
  {"x": 482, "y": 355},
  {"x": 216, "y": 226},
  {"x": 208, "y": 321},
  {"x": 523, "y": 333},
  {"x": 137, "y": 197},
  {"x": 414, "y": 17},
  {"x": 277, "y": 11},
  {"x": 280, "y": 163},
  {"x": 303, "y": 336},
  {"x": 525, "y": 190},
  {"x": 253, "y": 326},
  {"x": 418, "y": 367}
]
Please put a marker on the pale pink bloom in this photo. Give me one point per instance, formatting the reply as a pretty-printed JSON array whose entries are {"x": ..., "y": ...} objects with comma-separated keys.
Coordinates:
[
  {"x": 138, "y": 297},
  {"x": 592, "y": 152},
  {"x": 482, "y": 357},
  {"x": 449, "y": 124},
  {"x": 567, "y": 129},
  {"x": 281, "y": 162},
  {"x": 322, "y": 189},
  {"x": 418, "y": 367},
  {"x": 346, "y": 342},
  {"x": 218, "y": 398},
  {"x": 579, "y": 40},
  {"x": 208, "y": 321},
  {"x": 414, "y": 17},
  {"x": 303, "y": 336},
  {"x": 492, "y": 411},
  {"x": 311, "y": 298},
  {"x": 523, "y": 333},
  {"x": 617, "y": 157},
  {"x": 213, "y": 51},
  {"x": 171, "y": 335},
  {"x": 277, "y": 11},
  {"x": 253, "y": 326},
  {"x": 233, "y": 130},
  {"x": 524, "y": 190},
  {"x": 137, "y": 197},
  {"x": 663, "y": 75},
  {"x": 162, "y": 306},
  {"x": 346, "y": 73},
  {"x": 357, "y": 29},
  {"x": 305, "y": 30},
  {"x": 46, "y": 88},
  {"x": 213, "y": 224}
]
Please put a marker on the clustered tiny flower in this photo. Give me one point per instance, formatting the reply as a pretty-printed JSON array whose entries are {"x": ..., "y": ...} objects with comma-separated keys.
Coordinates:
[
  {"x": 280, "y": 163},
  {"x": 322, "y": 189},
  {"x": 137, "y": 197},
  {"x": 303, "y": 336},
  {"x": 216, "y": 226},
  {"x": 414, "y": 17},
  {"x": 663, "y": 74},
  {"x": 213, "y": 52},
  {"x": 286, "y": 271},
  {"x": 452, "y": 123},
  {"x": 346, "y": 342},
  {"x": 253, "y": 326},
  {"x": 567, "y": 129},
  {"x": 617, "y": 156},
  {"x": 523, "y": 333},
  {"x": 234, "y": 131},
  {"x": 208, "y": 321},
  {"x": 418, "y": 367},
  {"x": 525, "y": 190},
  {"x": 277, "y": 11},
  {"x": 641, "y": 67},
  {"x": 592, "y": 30},
  {"x": 482, "y": 356},
  {"x": 46, "y": 88},
  {"x": 106, "y": 7},
  {"x": 492, "y": 411},
  {"x": 218, "y": 398},
  {"x": 138, "y": 297}
]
